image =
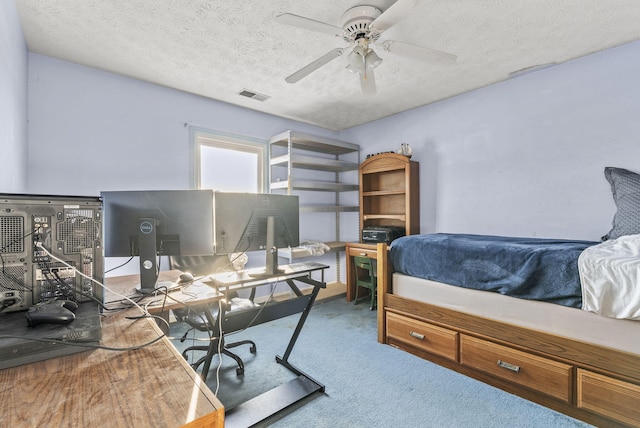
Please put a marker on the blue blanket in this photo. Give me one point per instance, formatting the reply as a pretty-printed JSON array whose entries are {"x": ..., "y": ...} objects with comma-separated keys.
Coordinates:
[{"x": 528, "y": 268}]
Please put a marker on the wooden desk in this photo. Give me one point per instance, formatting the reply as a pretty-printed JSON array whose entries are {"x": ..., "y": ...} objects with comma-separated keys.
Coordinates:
[
  {"x": 352, "y": 250},
  {"x": 153, "y": 386}
]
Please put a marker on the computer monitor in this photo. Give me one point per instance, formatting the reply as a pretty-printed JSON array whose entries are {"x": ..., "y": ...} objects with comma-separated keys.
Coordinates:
[
  {"x": 153, "y": 223},
  {"x": 256, "y": 221}
]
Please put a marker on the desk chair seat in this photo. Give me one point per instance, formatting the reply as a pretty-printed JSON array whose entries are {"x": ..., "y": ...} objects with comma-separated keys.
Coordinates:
[
  {"x": 367, "y": 277},
  {"x": 201, "y": 321}
]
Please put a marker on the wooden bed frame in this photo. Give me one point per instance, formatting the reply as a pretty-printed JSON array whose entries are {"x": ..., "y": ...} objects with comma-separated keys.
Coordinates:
[{"x": 596, "y": 384}]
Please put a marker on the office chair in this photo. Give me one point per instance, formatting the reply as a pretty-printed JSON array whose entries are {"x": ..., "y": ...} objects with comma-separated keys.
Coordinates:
[
  {"x": 206, "y": 318},
  {"x": 366, "y": 276}
]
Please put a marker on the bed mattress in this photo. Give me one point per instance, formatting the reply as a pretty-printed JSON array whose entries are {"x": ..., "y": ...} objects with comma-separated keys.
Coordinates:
[
  {"x": 576, "y": 324},
  {"x": 528, "y": 268}
]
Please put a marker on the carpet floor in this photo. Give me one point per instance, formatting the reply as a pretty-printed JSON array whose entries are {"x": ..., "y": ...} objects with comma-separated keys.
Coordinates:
[{"x": 367, "y": 384}]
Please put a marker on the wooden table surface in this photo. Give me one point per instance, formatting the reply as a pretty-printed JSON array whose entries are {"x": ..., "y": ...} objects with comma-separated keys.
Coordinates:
[{"x": 151, "y": 386}]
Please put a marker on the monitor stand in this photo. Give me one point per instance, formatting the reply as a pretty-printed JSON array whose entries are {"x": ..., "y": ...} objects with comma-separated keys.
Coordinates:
[
  {"x": 160, "y": 286},
  {"x": 148, "y": 255},
  {"x": 271, "y": 259},
  {"x": 271, "y": 268}
]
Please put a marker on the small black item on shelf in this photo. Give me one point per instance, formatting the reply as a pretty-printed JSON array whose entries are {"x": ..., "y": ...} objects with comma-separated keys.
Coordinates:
[
  {"x": 382, "y": 234},
  {"x": 376, "y": 154}
]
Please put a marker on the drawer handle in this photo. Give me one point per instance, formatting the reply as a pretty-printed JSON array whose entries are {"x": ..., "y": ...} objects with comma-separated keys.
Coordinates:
[
  {"x": 416, "y": 335},
  {"x": 363, "y": 254},
  {"x": 508, "y": 366}
]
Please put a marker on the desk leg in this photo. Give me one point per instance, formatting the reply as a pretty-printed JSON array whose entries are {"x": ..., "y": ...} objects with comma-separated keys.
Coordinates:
[
  {"x": 269, "y": 403},
  {"x": 294, "y": 288},
  {"x": 351, "y": 278},
  {"x": 301, "y": 321},
  {"x": 303, "y": 318}
]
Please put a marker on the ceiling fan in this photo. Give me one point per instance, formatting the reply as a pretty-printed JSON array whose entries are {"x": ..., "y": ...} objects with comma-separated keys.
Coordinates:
[{"x": 362, "y": 27}]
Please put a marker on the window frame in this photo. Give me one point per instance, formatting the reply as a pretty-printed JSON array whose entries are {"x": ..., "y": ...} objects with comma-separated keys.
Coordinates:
[{"x": 200, "y": 137}]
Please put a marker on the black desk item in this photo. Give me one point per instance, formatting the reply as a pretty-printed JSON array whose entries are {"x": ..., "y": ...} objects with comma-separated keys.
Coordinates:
[
  {"x": 271, "y": 402},
  {"x": 44, "y": 341},
  {"x": 53, "y": 312}
]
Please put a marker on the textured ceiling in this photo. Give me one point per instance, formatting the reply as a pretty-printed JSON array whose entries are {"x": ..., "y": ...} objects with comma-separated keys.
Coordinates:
[{"x": 217, "y": 48}]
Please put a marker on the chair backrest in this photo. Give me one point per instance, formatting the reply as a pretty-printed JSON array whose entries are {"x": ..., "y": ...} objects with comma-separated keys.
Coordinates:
[
  {"x": 365, "y": 263},
  {"x": 197, "y": 318}
]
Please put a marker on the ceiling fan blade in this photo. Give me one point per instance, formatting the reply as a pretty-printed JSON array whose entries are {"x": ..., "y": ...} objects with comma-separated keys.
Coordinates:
[
  {"x": 396, "y": 13},
  {"x": 418, "y": 52},
  {"x": 314, "y": 65},
  {"x": 368, "y": 82},
  {"x": 309, "y": 24}
]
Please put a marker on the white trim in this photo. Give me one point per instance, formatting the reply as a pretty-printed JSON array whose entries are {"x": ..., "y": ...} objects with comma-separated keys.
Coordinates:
[{"x": 200, "y": 136}]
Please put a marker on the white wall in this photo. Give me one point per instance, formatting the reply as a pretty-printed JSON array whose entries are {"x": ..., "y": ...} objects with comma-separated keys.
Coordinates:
[
  {"x": 91, "y": 131},
  {"x": 13, "y": 101},
  {"x": 524, "y": 157}
]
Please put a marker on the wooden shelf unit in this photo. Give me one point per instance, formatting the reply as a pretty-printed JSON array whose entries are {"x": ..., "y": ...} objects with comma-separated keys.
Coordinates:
[{"x": 390, "y": 193}]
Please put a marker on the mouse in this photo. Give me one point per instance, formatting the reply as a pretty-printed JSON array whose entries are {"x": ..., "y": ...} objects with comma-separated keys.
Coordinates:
[{"x": 185, "y": 278}]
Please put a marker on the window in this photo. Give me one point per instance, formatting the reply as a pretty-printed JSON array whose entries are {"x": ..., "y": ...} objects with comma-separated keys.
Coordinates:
[{"x": 228, "y": 163}]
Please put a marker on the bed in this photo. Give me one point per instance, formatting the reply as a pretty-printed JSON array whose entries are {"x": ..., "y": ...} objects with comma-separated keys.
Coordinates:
[{"x": 573, "y": 349}]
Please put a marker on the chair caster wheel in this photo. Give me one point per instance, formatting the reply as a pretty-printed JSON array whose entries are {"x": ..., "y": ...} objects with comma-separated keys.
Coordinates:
[
  {"x": 239, "y": 371},
  {"x": 252, "y": 349}
]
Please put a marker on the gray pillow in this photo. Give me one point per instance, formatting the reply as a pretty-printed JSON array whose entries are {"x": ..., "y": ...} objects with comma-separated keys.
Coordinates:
[{"x": 625, "y": 186}]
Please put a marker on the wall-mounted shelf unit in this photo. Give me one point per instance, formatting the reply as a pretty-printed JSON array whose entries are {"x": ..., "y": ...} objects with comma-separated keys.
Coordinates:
[{"x": 313, "y": 168}]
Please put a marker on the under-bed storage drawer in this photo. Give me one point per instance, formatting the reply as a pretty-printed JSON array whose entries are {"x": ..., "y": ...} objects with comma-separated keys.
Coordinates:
[
  {"x": 613, "y": 398},
  {"x": 430, "y": 338},
  {"x": 538, "y": 373}
]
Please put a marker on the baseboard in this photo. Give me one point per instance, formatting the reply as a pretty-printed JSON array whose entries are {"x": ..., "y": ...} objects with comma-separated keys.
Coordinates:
[{"x": 333, "y": 290}]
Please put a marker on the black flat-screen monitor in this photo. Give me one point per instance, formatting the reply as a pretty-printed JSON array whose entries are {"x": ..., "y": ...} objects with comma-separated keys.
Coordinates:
[
  {"x": 154, "y": 223},
  {"x": 256, "y": 221}
]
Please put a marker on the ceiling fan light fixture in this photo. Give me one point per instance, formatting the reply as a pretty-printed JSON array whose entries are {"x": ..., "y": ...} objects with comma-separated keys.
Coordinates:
[
  {"x": 356, "y": 60},
  {"x": 362, "y": 27},
  {"x": 372, "y": 60}
]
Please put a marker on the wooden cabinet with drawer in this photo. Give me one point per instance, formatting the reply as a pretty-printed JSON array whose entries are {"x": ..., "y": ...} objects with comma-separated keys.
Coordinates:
[
  {"x": 404, "y": 331},
  {"x": 354, "y": 249},
  {"x": 613, "y": 398},
  {"x": 538, "y": 373}
]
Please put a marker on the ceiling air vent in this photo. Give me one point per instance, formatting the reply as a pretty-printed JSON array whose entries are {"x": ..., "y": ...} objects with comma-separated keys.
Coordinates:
[{"x": 253, "y": 95}]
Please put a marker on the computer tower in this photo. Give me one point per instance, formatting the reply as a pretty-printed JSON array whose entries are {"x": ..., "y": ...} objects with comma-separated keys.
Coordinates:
[{"x": 67, "y": 227}]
